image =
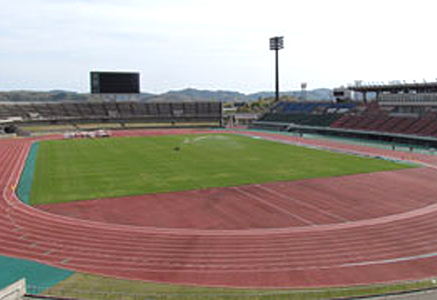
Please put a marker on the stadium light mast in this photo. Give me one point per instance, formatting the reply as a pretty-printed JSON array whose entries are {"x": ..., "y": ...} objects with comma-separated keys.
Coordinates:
[{"x": 276, "y": 44}]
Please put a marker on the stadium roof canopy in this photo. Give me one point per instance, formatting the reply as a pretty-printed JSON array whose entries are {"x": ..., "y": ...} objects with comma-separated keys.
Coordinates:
[{"x": 426, "y": 87}]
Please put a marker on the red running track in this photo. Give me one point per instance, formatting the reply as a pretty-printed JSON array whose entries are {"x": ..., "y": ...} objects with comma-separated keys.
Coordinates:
[
  {"x": 271, "y": 205},
  {"x": 380, "y": 241}
]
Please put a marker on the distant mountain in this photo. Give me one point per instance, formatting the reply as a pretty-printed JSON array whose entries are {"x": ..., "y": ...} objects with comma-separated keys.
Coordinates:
[
  {"x": 55, "y": 95},
  {"x": 231, "y": 96},
  {"x": 197, "y": 95},
  {"x": 182, "y": 95},
  {"x": 312, "y": 95}
]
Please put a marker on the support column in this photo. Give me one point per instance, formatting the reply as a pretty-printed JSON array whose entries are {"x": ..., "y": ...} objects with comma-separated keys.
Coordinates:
[{"x": 277, "y": 75}]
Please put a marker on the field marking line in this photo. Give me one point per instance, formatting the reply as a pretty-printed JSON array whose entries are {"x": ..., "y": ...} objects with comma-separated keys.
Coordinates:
[
  {"x": 279, "y": 194},
  {"x": 259, "y": 199},
  {"x": 203, "y": 137}
]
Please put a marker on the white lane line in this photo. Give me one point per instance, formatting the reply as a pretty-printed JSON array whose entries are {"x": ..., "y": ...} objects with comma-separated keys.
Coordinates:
[
  {"x": 259, "y": 199},
  {"x": 389, "y": 261},
  {"x": 313, "y": 207}
]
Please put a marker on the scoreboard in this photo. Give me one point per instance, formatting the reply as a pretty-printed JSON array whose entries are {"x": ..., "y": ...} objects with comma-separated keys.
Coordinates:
[{"x": 115, "y": 83}]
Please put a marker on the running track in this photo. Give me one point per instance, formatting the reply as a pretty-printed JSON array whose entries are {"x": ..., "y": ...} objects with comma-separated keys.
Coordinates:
[{"x": 391, "y": 247}]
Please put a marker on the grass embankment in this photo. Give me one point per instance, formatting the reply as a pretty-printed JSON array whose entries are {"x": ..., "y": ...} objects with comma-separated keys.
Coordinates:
[
  {"x": 69, "y": 170},
  {"x": 95, "y": 287}
]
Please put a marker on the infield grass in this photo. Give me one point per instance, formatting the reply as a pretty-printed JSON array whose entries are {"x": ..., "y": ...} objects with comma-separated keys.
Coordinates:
[{"x": 70, "y": 170}]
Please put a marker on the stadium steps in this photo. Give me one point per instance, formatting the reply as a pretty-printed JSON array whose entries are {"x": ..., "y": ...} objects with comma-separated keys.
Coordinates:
[
  {"x": 342, "y": 121},
  {"x": 405, "y": 125},
  {"x": 430, "y": 129},
  {"x": 378, "y": 123},
  {"x": 419, "y": 125},
  {"x": 361, "y": 122}
]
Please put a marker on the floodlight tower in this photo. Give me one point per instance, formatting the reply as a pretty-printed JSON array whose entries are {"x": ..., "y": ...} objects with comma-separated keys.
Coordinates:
[
  {"x": 276, "y": 44},
  {"x": 303, "y": 93}
]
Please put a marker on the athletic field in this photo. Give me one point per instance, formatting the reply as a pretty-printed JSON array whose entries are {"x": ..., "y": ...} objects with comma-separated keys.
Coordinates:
[
  {"x": 332, "y": 231},
  {"x": 70, "y": 170}
]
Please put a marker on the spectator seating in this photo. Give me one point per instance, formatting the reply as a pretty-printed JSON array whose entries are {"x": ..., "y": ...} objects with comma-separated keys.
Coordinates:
[
  {"x": 306, "y": 113},
  {"x": 68, "y": 111},
  {"x": 370, "y": 117},
  {"x": 374, "y": 118},
  {"x": 283, "y": 107},
  {"x": 301, "y": 119}
]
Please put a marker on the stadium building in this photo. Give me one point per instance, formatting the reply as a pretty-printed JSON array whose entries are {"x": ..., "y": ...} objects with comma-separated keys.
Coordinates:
[
  {"x": 249, "y": 222},
  {"x": 396, "y": 112},
  {"x": 409, "y": 98}
]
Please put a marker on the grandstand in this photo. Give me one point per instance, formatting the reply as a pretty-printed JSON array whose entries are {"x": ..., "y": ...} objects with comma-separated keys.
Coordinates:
[
  {"x": 372, "y": 121},
  {"x": 304, "y": 113},
  {"x": 113, "y": 111},
  {"x": 374, "y": 118}
]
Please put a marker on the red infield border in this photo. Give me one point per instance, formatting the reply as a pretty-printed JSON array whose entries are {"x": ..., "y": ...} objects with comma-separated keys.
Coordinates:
[{"x": 384, "y": 240}]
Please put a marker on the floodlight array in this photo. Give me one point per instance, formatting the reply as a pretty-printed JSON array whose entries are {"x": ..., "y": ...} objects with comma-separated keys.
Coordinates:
[{"x": 277, "y": 43}]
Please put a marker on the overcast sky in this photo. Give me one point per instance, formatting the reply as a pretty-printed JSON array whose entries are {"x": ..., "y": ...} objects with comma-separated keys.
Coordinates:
[{"x": 204, "y": 44}]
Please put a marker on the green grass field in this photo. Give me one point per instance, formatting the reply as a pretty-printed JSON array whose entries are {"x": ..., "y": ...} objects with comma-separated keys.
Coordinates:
[
  {"x": 70, "y": 170},
  {"x": 82, "y": 286}
]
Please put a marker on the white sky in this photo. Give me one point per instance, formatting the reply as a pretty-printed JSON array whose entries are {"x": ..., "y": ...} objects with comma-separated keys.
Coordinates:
[{"x": 54, "y": 44}]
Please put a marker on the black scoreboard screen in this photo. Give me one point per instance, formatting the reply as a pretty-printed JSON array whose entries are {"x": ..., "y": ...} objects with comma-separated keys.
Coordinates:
[{"x": 115, "y": 83}]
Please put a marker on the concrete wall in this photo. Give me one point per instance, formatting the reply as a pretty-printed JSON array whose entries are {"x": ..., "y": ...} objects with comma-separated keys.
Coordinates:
[{"x": 14, "y": 291}]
